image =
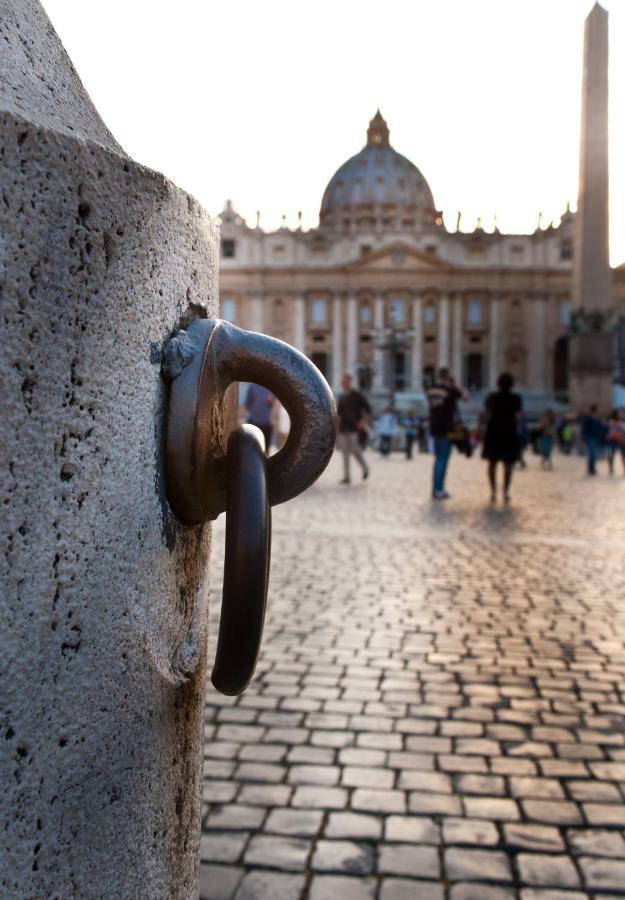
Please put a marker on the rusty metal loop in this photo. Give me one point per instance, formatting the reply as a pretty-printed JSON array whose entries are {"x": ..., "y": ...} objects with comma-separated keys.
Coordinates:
[
  {"x": 246, "y": 563},
  {"x": 213, "y": 466},
  {"x": 247, "y": 356},
  {"x": 202, "y": 364}
]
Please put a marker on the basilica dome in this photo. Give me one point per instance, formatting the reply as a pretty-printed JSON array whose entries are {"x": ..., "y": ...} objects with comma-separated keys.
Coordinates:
[{"x": 378, "y": 186}]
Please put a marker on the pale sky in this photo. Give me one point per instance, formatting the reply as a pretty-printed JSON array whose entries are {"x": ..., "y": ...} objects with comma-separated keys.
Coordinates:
[{"x": 262, "y": 100}]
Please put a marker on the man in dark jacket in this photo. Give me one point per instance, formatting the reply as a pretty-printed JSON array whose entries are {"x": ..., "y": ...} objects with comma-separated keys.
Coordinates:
[
  {"x": 593, "y": 434},
  {"x": 353, "y": 410},
  {"x": 443, "y": 399}
]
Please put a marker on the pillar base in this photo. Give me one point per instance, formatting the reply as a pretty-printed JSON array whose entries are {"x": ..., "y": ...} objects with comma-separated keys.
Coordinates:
[{"x": 591, "y": 372}]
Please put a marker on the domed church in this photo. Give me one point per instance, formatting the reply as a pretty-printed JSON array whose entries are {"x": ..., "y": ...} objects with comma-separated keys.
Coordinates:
[
  {"x": 378, "y": 185},
  {"x": 381, "y": 289}
]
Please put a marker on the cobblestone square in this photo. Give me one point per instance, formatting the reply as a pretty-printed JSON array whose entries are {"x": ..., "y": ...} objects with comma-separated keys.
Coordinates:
[{"x": 438, "y": 709}]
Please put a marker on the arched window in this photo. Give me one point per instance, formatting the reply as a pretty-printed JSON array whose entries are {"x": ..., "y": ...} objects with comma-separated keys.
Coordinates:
[
  {"x": 229, "y": 309},
  {"x": 365, "y": 314},
  {"x": 319, "y": 311},
  {"x": 474, "y": 312},
  {"x": 398, "y": 310},
  {"x": 565, "y": 313},
  {"x": 429, "y": 314}
]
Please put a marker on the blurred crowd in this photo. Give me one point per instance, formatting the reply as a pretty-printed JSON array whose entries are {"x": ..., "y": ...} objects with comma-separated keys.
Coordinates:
[
  {"x": 566, "y": 433},
  {"x": 502, "y": 430}
]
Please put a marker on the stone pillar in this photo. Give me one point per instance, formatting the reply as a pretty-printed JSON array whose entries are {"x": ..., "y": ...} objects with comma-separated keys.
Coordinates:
[
  {"x": 379, "y": 354},
  {"x": 456, "y": 363},
  {"x": 443, "y": 332},
  {"x": 102, "y": 683},
  {"x": 416, "y": 355},
  {"x": 256, "y": 319},
  {"x": 337, "y": 343},
  {"x": 299, "y": 324},
  {"x": 352, "y": 335},
  {"x": 494, "y": 354},
  {"x": 538, "y": 322}
]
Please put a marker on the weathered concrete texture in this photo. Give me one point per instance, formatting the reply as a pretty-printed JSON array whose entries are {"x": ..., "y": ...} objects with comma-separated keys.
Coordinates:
[{"x": 103, "y": 594}]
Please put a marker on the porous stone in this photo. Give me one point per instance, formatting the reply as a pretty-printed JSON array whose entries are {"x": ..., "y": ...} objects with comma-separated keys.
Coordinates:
[{"x": 105, "y": 600}]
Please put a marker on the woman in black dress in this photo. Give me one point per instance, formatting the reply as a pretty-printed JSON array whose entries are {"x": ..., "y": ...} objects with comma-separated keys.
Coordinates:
[{"x": 501, "y": 441}]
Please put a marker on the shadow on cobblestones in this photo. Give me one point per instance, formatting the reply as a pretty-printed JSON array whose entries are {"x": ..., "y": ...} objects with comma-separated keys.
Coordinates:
[{"x": 438, "y": 710}]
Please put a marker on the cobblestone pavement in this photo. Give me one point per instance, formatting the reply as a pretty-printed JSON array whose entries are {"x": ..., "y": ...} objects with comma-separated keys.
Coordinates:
[{"x": 438, "y": 711}]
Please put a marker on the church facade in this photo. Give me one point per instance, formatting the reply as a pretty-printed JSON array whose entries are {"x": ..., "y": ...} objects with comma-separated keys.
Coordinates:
[{"x": 383, "y": 290}]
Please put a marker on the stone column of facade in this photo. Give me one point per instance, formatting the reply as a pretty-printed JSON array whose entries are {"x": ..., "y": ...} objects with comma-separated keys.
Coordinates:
[
  {"x": 443, "y": 332},
  {"x": 352, "y": 335},
  {"x": 299, "y": 324},
  {"x": 416, "y": 354},
  {"x": 538, "y": 321},
  {"x": 456, "y": 357},
  {"x": 494, "y": 350},
  {"x": 378, "y": 352},
  {"x": 102, "y": 681},
  {"x": 337, "y": 343},
  {"x": 256, "y": 317}
]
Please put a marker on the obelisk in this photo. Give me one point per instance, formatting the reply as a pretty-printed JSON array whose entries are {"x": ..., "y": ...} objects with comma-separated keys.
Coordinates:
[{"x": 591, "y": 346}]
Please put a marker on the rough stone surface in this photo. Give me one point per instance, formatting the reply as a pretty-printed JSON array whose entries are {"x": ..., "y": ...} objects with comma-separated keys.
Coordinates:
[{"x": 105, "y": 603}]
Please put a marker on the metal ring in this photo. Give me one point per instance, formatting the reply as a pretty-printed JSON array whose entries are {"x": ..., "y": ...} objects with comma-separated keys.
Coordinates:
[
  {"x": 246, "y": 563},
  {"x": 246, "y": 356},
  {"x": 202, "y": 363}
]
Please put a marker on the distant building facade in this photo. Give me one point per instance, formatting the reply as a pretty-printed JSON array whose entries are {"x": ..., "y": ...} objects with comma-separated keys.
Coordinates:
[{"x": 383, "y": 290}]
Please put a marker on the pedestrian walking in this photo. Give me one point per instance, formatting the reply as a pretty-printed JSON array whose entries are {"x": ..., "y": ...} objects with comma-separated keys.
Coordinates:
[
  {"x": 422, "y": 436},
  {"x": 258, "y": 409},
  {"x": 547, "y": 438},
  {"x": 501, "y": 440},
  {"x": 410, "y": 424},
  {"x": 566, "y": 436},
  {"x": 524, "y": 439},
  {"x": 387, "y": 429},
  {"x": 616, "y": 438},
  {"x": 594, "y": 433},
  {"x": 282, "y": 424},
  {"x": 443, "y": 398},
  {"x": 353, "y": 411}
]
